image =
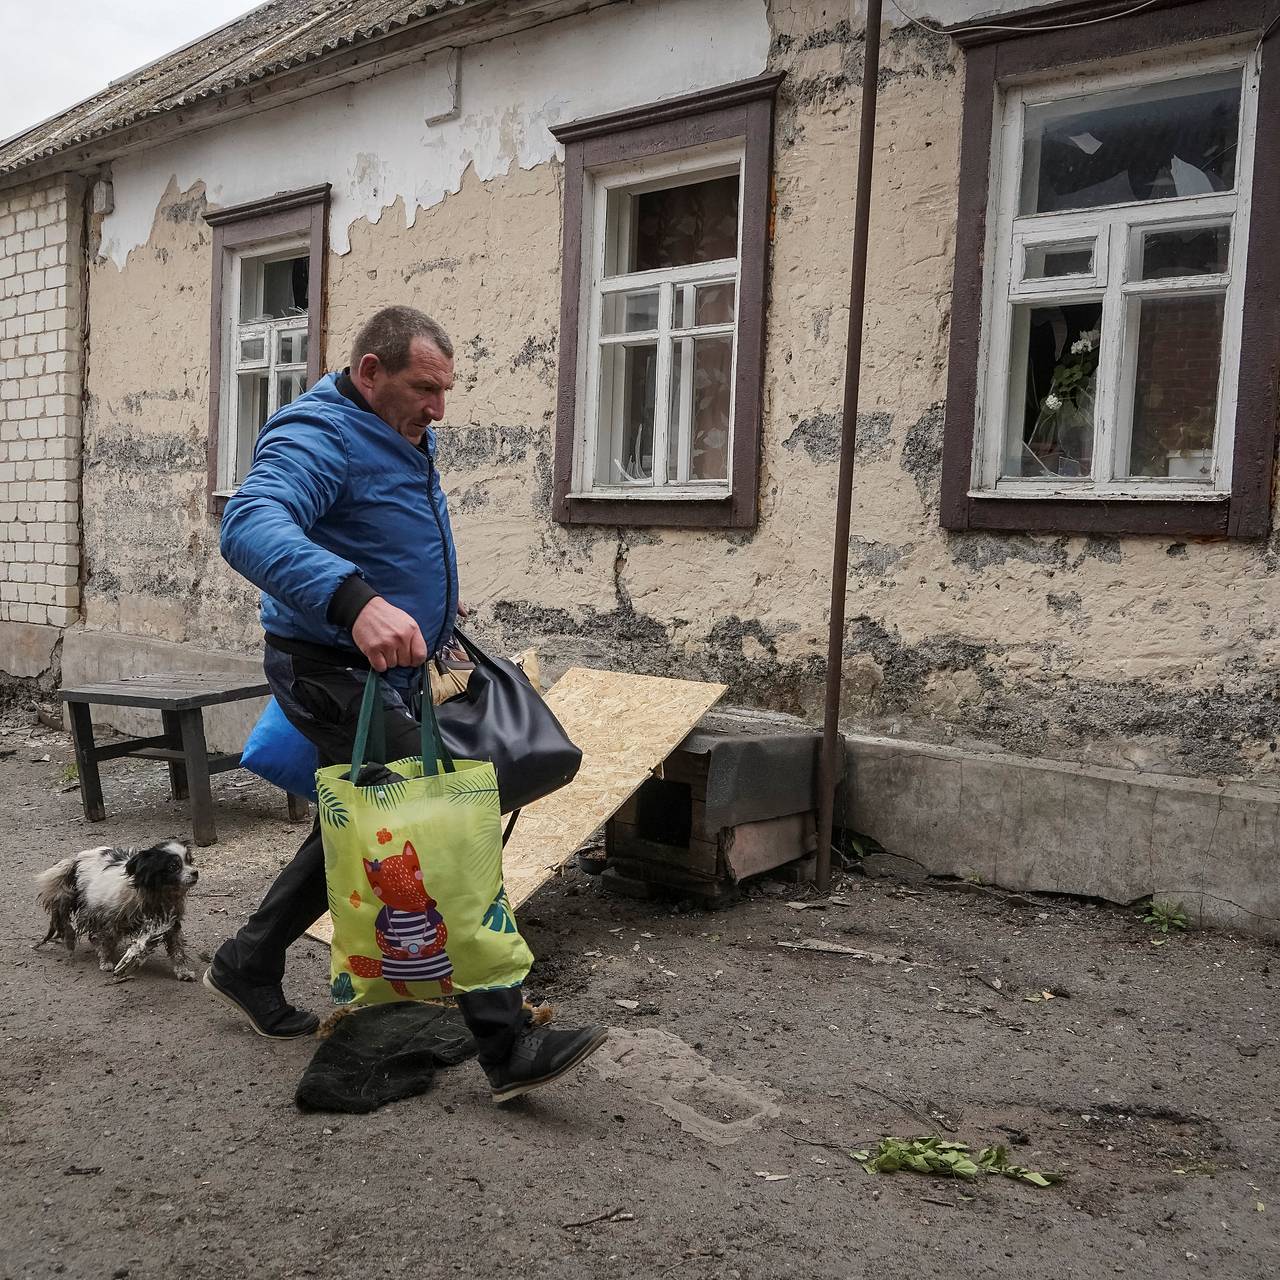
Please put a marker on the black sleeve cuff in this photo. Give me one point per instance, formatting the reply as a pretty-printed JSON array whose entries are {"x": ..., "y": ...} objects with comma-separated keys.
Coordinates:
[{"x": 352, "y": 595}]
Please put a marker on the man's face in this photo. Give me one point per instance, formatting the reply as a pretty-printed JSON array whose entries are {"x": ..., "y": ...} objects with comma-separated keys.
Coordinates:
[{"x": 411, "y": 399}]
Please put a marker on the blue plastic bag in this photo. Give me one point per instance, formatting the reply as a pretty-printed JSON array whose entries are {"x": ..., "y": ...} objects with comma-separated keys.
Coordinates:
[{"x": 277, "y": 752}]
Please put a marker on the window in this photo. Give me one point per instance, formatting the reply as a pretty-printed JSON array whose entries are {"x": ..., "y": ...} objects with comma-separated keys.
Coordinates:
[
  {"x": 1111, "y": 362},
  {"x": 268, "y": 342},
  {"x": 1109, "y": 375},
  {"x": 661, "y": 326},
  {"x": 268, "y": 260},
  {"x": 662, "y": 332}
]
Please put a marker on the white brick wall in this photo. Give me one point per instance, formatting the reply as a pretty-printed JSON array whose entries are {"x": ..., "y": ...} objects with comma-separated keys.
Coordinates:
[{"x": 40, "y": 364}]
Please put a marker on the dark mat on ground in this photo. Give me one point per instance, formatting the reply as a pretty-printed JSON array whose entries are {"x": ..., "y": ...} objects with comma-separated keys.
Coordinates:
[{"x": 381, "y": 1053}]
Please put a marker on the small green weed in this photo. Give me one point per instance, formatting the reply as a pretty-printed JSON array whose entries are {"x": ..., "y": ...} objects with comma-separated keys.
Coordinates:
[{"x": 1165, "y": 917}]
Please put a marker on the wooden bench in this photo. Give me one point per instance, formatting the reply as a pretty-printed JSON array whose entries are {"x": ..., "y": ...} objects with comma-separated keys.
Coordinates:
[{"x": 181, "y": 701}]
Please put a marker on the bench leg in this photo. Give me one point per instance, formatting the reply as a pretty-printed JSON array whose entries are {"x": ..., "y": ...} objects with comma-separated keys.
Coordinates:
[
  {"x": 299, "y": 811},
  {"x": 177, "y": 772},
  {"x": 86, "y": 761},
  {"x": 197, "y": 770}
]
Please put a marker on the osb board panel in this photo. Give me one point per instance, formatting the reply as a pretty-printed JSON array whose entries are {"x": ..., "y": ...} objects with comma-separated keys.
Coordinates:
[{"x": 625, "y": 725}]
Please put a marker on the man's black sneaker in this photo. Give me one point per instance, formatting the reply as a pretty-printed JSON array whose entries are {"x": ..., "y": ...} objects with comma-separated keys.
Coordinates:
[
  {"x": 264, "y": 1008},
  {"x": 540, "y": 1055}
]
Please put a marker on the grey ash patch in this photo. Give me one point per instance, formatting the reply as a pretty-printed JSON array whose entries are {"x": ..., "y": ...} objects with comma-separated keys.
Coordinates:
[
  {"x": 473, "y": 498},
  {"x": 132, "y": 401},
  {"x": 874, "y": 430},
  {"x": 1099, "y": 546},
  {"x": 921, "y": 456},
  {"x": 433, "y": 265},
  {"x": 874, "y": 559},
  {"x": 539, "y": 355},
  {"x": 819, "y": 436},
  {"x": 1208, "y": 732},
  {"x": 144, "y": 453},
  {"x": 980, "y": 551},
  {"x": 1068, "y": 602},
  {"x": 188, "y": 209},
  {"x": 470, "y": 448},
  {"x": 1177, "y": 550}
]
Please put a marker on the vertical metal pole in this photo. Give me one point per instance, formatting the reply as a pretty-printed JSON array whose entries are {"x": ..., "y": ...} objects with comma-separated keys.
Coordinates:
[{"x": 830, "y": 761}]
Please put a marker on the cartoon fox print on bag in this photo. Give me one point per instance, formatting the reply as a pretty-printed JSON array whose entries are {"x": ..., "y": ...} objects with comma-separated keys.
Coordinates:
[{"x": 410, "y": 931}]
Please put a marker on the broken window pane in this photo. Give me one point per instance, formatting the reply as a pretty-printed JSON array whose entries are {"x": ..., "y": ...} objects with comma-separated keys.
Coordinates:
[
  {"x": 629, "y": 312},
  {"x": 712, "y": 396},
  {"x": 254, "y": 390},
  {"x": 1053, "y": 381},
  {"x": 1175, "y": 395},
  {"x": 1049, "y": 261},
  {"x": 1199, "y": 251},
  {"x": 628, "y": 392},
  {"x": 289, "y": 386},
  {"x": 675, "y": 226},
  {"x": 1150, "y": 143},
  {"x": 292, "y": 347},
  {"x": 700, "y": 406},
  {"x": 253, "y": 349},
  {"x": 704, "y": 304},
  {"x": 272, "y": 290}
]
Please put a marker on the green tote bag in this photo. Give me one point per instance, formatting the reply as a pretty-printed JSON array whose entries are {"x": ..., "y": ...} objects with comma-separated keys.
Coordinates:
[{"x": 414, "y": 873}]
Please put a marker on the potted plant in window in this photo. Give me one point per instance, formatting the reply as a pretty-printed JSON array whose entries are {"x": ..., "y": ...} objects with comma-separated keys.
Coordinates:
[
  {"x": 1062, "y": 439},
  {"x": 1185, "y": 455}
]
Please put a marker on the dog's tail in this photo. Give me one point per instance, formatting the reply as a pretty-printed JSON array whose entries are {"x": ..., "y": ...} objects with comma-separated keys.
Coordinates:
[{"x": 56, "y": 890}]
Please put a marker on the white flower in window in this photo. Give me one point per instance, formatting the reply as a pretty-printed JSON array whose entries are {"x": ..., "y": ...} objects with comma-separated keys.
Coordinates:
[{"x": 1053, "y": 403}]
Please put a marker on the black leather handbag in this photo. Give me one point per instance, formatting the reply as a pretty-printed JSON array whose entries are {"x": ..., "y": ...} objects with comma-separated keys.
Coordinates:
[{"x": 501, "y": 717}]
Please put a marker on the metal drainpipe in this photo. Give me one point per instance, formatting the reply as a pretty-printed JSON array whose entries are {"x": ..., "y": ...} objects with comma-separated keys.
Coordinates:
[{"x": 832, "y": 743}]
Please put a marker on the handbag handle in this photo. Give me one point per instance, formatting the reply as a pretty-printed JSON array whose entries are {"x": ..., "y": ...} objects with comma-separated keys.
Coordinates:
[{"x": 373, "y": 719}]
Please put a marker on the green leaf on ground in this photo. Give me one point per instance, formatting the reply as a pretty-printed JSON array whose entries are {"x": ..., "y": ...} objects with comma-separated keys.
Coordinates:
[{"x": 947, "y": 1159}]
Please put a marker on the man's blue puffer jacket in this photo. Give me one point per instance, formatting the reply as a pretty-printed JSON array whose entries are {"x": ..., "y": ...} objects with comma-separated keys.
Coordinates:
[{"x": 334, "y": 491}]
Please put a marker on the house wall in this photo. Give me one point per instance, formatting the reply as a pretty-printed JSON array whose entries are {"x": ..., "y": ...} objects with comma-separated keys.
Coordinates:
[
  {"x": 40, "y": 360},
  {"x": 1133, "y": 653}
]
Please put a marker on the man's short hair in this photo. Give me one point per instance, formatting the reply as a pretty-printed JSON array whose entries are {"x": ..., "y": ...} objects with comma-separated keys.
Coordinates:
[{"x": 389, "y": 333}]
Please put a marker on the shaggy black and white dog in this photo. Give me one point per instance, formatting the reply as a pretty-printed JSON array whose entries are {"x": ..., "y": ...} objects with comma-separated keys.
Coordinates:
[{"x": 125, "y": 901}]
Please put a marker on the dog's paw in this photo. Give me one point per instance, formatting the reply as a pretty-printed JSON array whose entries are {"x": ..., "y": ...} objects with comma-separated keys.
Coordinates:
[
  {"x": 106, "y": 966},
  {"x": 185, "y": 975}
]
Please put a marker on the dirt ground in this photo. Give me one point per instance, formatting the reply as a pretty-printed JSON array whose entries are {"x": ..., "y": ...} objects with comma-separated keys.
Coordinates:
[{"x": 144, "y": 1133}]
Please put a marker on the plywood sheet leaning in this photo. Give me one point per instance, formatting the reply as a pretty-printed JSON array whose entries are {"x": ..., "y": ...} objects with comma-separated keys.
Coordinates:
[{"x": 626, "y": 725}]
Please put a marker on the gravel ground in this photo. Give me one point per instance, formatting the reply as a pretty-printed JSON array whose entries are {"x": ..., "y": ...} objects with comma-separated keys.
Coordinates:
[{"x": 144, "y": 1133}]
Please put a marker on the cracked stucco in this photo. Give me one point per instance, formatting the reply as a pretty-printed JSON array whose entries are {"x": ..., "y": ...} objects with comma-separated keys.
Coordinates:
[{"x": 1134, "y": 652}]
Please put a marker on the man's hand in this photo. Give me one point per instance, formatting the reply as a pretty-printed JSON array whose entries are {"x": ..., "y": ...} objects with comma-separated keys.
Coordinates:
[{"x": 388, "y": 636}]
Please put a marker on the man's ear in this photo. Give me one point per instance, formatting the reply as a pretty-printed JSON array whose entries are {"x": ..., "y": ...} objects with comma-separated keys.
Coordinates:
[{"x": 368, "y": 367}]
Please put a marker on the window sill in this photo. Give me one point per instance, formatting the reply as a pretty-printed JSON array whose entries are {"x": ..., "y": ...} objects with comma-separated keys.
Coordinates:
[
  {"x": 1069, "y": 493},
  {"x": 652, "y": 495},
  {"x": 1198, "y": 516},
  {"x": 663, "y": 510}
]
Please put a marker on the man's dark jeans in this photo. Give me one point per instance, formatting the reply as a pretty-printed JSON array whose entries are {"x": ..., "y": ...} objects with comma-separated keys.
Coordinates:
[{"x": 323, "y": 703}]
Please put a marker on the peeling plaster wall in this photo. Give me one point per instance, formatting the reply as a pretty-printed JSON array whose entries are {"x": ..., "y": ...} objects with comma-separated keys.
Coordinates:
[
  {"x": 1133, "y": 652},
  {"x": 374, "y": 145}
]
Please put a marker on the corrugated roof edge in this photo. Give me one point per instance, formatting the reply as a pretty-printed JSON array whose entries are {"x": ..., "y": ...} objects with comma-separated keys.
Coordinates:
[{"x": 169, "y": 100}]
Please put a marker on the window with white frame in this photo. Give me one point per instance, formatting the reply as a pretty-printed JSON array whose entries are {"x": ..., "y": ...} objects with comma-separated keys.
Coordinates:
[
  {"x": 267, "y": 309},
  {"x": 661, "y": 327},
  {"x": 1118, "y": 223}
]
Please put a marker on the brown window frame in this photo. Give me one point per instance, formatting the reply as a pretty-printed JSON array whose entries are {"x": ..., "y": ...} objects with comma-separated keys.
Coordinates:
[
  {"x": 992, "y": 58},
  {"x": 289, "y": 214},
  {"x": 744, "y": 110}
]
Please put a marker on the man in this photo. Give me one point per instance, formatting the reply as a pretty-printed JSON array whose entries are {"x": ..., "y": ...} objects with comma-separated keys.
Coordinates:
[{"x": 342, "y": 523}]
